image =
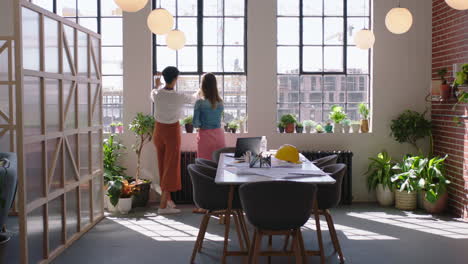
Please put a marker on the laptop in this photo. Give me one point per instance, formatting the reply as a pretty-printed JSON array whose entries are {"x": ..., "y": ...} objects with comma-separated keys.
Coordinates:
[{"x": 251, "y": 144}]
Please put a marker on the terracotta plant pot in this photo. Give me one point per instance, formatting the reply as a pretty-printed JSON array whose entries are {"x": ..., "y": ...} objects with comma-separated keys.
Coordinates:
[
  {"x": 364, "y": 125},
  {"x": 356, "y": 127},
  {"x": 385, "y": 196},
  {"x": 445, "y": 92},
  {"x": 189, "y": 128},
  {"x": 405, "y": 200},
  {"x": 437, "y": 207},
  {"x": 125, "y": 205},
  {"x": 289, "y": 128}
]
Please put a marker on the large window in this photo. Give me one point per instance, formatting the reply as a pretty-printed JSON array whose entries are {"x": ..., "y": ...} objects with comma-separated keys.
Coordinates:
[
  {"x": 104, "y": 17},
  {"x": 318, "y": 63},
  {"x": 216, "y": 35}
]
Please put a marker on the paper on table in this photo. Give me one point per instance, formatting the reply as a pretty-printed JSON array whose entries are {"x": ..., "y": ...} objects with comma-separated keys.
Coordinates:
[{"x": 276, "y": 172}]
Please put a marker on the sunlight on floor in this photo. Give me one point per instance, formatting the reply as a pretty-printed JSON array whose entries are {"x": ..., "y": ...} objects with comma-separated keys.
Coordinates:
[
  {"x": 161, "y": 228},
  {"x": 424, "y": 223},
  {"x": 350, "y": 232}
]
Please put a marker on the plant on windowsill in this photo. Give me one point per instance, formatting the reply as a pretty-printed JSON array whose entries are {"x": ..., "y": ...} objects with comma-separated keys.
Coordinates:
[
  {"x": 461, "y": 83},
  {"x": 356, "y": 125},
  {"x": 445, "y": 90},
  {"x": 411, "y": 126},
  {"x": 120, "y": 127},
  {"x": 142, "y": 126},
  {"x": 319, "y": 128},
  {"x": 434, "y": 185},
  {"x": 113, "y": 127},
  {"x": 379, "y": 178},
  {"x": 299, "y": 128},
  {"x": 406, "y": 181},
  {"x": 337, "y": 115},
  {"x": 187, "y": 122},
  {"x": 289, "y": 121},
  {"x": 364, "y": 112},
  {"x": 329, "y": 128},
  {"x": 308, "y": 125},
  {"x": 233, "y": 126},
  {"x": 346, "y": 125},
  {"x": 280, "y": 127}
]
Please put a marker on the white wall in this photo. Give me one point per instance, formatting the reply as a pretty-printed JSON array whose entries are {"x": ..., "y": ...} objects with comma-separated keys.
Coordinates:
[
  {"x": 6, "y": 17},
  {"x": 401, "y": 77}
]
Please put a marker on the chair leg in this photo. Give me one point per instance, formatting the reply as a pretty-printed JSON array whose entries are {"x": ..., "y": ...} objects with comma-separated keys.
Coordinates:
[
  {"x": 252, "y": 247},
  {"x": 333, "y": 235},
  {"x": 286, "y": 242},
  {"x": 201, "y": 234},
  {"x": 319, "y": 232},
  {"x": 204, "y": 227},
  {"x": 239, "y": 231},
  {"x": 302, "y": 246},
  {"x": 227, "y": 226},
  {"x": 257, "y": 247},
  {"x": 245, "y": 232},
  {"x": 296, "y": 247},
  {"x": 270, "y": 246}
]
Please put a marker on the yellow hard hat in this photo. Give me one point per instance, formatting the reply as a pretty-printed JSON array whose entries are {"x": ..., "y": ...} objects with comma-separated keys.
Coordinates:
[{"x": 288, "y": 153}]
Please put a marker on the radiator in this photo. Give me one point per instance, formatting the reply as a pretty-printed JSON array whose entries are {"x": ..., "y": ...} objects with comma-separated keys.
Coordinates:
[
  {"x": 345, "y": 157},
  {"x": 185, "y": 195}
]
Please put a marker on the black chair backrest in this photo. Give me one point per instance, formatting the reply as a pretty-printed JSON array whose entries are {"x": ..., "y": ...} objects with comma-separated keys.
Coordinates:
[
  {"x": 217, "y": 153},
  {"x": 206, "y": 193},
  {"x": 206, "y": 163},
  {"x": 329, "y": 196},
  {"x": 277, "y": 205},
  {"x": 325, "y": 161}
]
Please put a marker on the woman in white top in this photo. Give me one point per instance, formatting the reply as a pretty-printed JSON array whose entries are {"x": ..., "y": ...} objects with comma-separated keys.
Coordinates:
[{"x": 169, "y": 105}]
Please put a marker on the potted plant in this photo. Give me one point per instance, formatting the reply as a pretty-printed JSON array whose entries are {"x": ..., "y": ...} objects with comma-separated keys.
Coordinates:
[
  {"x": 445, "y": 90},
  {"x": 289, "y": 121},
  {"x": 242, "y": 124},
  {"x": 461, "y": 80},
  {"x": 337, "y": 115},
  {"x": 233, "y": 126},
  {"x": 142, "y": 126},
  {"x": 407, "y": 182},
  {"x": 308, "y": 125},
  {"x": 364, "y": 112},
  {"x": 434, "y": 183},
  {"x": 329, "y": 128},
  {"x": 409, "y": 127},
  {"x": 299, "y": 127},
  {"x": 120, "y": 127},
  {"x": 113, "y": 127},
  {"x": 280, "y": 127},
  {"x": 113, "y": 192},
  {"x": 346, "y": 125},
  {"x": 355, "y": 125},
  {"x": 112, "y": 152},
  {"x": 379, "y": 178},
  {"x": 319, "y": 128},
  {"x": 187, "y": 122},
  {"x": 125, "y": 201}
]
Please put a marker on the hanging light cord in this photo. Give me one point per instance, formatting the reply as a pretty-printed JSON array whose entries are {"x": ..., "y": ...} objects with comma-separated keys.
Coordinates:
[{"x": 398, "y": 3}]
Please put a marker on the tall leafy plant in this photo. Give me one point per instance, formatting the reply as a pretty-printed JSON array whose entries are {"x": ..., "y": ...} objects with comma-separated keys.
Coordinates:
[
  {"x": 411, "y": 126},
  {"x": 380, "y": 171},
  {"x": 409, "y": 173},
  {"x": 337, "y": 114},
  {"x": 288, "y": 119},
  {"x": 433, "y": 179},
  {"x": 363, "y": 111},
  {"x": 142, "y": 126},
  {"x": 113, "y": 151}
]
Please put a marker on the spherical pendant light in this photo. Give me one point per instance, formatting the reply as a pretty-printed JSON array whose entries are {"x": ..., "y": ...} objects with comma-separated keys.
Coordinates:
[
  {"x": 131, "y": 5},
  {"x": 160, "y": 21},
  {"x": 364, "y": 39},
  {"x": 175, "y": 39},
  {"x": 458, "y": 4},
  {"x": 399, "y": 20}
]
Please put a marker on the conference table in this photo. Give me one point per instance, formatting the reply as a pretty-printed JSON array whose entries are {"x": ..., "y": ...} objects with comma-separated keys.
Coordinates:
[{"x": 234, "y": 173}]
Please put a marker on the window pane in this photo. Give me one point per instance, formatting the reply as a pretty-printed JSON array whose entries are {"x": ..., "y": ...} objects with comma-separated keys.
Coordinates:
[
  {"x": 333, "y": 7},
  {"x": 188, "y": 84},
  {"x": 109, "y": 8},
  {"x": 233, "y": 59},
  {"x": 284, "y": 109},
  {"x": 312, "y": 31},
  {"x": 288, "y": 31},
  {"x": 235, "y": 31},
  {"x": 187, "y": 8},
  {"x": 169, "y": 5},
  {"x": 51, "y": 42},
  {"x": 334, "y": 83},
  {"x": 67, "y": 8},
  {"x": 46, "y": 4},
  {"x": 212, "y": 59},
  {"x": 311, "y": 88},
  {"x": 234, "y": 7},
  {"x": 165, "y": 57},
  {"x": 213, "y": 7},
  {"x": 112, "y": 60},
  {"x": 354, "y": 25},
  {"x": 233, "y": 111},
  {"x": 187, "y": 59},
  {"x": 288, "y": 88},
  {"x": 333, "y": 31},
  {"x": 353, "y": 111},
  {"x": 358, "y": 60},
  {"x": 333, "y": 59},
  {"x": 358, "y": 8},
  {"x": 312, "y": 60},
  {"x": 234, "y": 89},
  {"x": 288, "y": 7},
  {"x": 112, "y": 83},
  {"x": 311, "y": 112},
  {"x": 31, "y": 46},
  {"x": 213, "y": 31},
  {"x": 312, "y": 8},
  {"x": 111, "y": 30},
  {"x": 87, "y": 8},
  {"x": 89, "y": 23},
  {"x": 357, "y": 88},
  {"x": 189, "y": 27},
  {"x": 288, "y": 59}
]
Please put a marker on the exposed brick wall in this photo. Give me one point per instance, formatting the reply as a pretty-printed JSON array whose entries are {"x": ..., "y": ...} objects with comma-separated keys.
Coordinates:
[{"x": 450, "y": 46}]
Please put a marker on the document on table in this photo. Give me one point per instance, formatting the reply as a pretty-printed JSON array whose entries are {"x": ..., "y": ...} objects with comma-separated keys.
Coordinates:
[{"x": 277, "y": 173}]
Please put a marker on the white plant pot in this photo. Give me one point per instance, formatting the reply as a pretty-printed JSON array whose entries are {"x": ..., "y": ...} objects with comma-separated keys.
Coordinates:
[
  {"x": 125, "y": 205},
  {"x": 338, "y": 128},
  {"x": 385, "y": 196},
  {"x": 346, "y": 129},
  {"x": 109, "y": 206},
  {"x": 356, "y": 127},
  {"x": 405, "y": 200},
  {"x": 308, "y": 129},
  {"x": 242, "y": 127}
]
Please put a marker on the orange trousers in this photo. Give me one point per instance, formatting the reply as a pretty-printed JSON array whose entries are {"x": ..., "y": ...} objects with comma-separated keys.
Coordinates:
[{"x": 167, "y": 140}]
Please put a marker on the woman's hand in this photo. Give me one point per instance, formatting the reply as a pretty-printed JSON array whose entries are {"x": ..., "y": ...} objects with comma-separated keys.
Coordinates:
[{"x": 157, "y": 80}]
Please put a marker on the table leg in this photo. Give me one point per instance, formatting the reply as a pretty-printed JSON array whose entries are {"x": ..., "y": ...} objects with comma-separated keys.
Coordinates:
[
  {"x": 319, "y": 231},
  {"x": 227, "y": 222}
]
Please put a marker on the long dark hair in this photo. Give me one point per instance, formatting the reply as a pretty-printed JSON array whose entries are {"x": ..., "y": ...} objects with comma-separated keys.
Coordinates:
[{"x": 209, "y": 89}]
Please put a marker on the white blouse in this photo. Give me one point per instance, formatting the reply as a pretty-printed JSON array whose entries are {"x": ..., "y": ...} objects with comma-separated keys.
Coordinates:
[{"x": 169, "y": 105}]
